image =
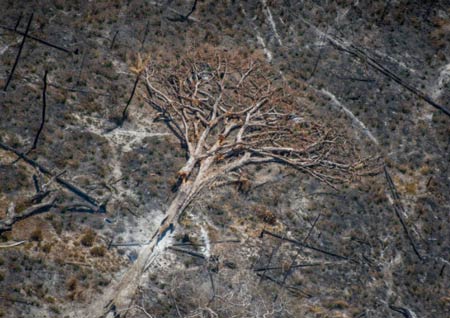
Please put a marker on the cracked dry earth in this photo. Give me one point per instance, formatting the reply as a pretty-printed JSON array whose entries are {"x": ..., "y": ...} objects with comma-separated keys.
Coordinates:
[{"x": 372, "y": 248}]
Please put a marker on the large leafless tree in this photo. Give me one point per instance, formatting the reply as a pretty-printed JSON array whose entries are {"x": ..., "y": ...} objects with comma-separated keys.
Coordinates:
[{"x": 229, "y": 113}]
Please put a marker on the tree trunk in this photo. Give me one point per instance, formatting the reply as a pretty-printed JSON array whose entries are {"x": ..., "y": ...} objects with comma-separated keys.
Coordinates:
[{"x": 126, "y": 289}]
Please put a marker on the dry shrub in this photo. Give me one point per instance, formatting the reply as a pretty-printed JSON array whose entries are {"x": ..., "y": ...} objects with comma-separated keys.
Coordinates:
[
  {"x": 98, "y": 251},
  {"x": 265, "y": 215},
  {"x": 88, "y": 238},
  {"x": 36, "y": 235}
]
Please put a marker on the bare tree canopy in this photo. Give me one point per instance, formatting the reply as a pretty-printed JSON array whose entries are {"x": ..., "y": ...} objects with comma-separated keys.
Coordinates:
[{"x": 229, "y": 113}]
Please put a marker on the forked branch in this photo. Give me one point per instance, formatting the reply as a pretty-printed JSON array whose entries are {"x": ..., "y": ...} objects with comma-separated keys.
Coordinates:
[{"x": 228, "y": 118}]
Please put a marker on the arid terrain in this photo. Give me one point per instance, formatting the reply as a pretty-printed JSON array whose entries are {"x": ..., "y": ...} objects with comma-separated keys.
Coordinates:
[{"x": 97, "y": 216}]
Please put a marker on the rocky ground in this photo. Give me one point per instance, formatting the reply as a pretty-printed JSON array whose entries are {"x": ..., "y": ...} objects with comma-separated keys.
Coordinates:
[{"x": 377, "y": 71}]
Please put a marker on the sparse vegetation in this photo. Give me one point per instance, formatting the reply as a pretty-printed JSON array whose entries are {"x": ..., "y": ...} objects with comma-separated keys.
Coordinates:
[{"x": 59, "y": 263}]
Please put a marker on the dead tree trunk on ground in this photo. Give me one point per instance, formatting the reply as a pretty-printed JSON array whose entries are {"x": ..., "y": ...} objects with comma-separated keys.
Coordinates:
[{"x": 229, "y": 114}]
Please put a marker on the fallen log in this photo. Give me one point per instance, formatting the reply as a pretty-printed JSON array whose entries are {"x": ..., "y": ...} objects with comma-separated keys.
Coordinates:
[
  {"x": 290, "y": 288},
  {"x": 11, "y": 244},
  {"x": 360, "y": 54},
  {"x": 398, "y": 209},
  {"x": 100, "y": 206},
  {"x": 293, "y": 266},
  {"x": 18, "y": 53},
  {"x": 13, "y": 217},
  {"x": 37, "y": 39},
  {"x": 307, "y": 246},
  {"x": 44, "y": 107},
  {"x": 357, "y": 52},
  {"x": 19, "y": 300},
  {"x": 186, "y": 252},
  {"x": 404, "y": 311}
]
